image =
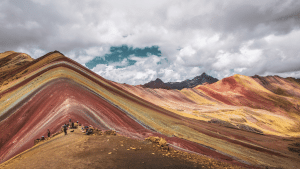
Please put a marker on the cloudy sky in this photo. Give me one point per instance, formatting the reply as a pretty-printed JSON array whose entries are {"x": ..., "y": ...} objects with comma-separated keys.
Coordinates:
[{"x": 135, "y": 41}]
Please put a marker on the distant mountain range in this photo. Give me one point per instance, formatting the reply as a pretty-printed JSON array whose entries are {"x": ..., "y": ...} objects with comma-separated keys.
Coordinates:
[{"x": 198, "y": 80}]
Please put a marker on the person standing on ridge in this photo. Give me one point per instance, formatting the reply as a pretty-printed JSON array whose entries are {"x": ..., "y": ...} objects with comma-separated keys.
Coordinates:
[
  {"x": 48, "y": 133},
  {"x": 65, "y": 128}
]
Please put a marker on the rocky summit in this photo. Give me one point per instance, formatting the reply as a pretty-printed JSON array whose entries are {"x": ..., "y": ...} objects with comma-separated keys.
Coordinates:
[{"x": 198, "y": 80}]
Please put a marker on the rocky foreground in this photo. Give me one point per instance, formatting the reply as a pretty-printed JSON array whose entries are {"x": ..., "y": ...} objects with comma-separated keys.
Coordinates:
[{"x": 77, "y": 150}]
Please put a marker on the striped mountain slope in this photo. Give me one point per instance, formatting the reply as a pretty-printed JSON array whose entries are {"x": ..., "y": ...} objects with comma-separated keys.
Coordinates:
[{"x": 46, "y": 92}]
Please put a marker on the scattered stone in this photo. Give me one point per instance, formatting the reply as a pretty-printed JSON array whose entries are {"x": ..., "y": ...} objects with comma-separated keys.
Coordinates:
[
  {"x": 97, "y": 132},
  {"x": 161, "y": 142},
  {"x": 295, "y": 144},
  {"x": 110, "y": 132},
  {"x": 36, "y": 141},
  {"x": 294, "y": 149}
]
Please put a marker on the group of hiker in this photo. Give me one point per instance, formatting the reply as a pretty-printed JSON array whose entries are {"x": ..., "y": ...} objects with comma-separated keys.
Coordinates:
[
  {"x": 71, "y": 125},
  {"x": 86, "y": 129}
]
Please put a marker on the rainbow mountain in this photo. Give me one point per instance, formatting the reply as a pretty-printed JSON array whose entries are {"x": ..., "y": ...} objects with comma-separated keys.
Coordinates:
[{"x": 246, "y": 121}]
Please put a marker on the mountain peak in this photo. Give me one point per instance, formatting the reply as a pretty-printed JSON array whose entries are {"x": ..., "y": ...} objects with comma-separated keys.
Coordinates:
[
  {"x": 157, "y": 83},
  {"x": 198, "y": 80},
  {"x": 158, "y": 80},
  {"x": 202, "y": 76}
]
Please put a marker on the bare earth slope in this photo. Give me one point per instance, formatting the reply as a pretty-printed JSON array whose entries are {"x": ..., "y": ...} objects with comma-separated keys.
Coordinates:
[
  {"x": 235, "y": 120},
  {"x": 77, "y": 150},
  {"x": 11, "y": 61}
]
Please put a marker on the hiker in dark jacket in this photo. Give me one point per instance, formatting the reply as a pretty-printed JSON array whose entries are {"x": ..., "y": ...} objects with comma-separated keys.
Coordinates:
[
  {"x": 65, "y": 128},
  {"x": 70, "y": 123},
  {"x": 48, "y": 133}
]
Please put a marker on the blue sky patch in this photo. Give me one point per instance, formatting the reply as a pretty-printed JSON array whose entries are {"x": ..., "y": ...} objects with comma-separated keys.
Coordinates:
[{"x": 119, "y": 53}]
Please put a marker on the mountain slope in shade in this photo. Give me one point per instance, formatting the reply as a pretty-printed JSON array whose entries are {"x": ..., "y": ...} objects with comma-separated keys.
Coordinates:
[
  {"x": 281, "y": 86},
  {"x": 11, "y": 61},
  {"x": 198, "y": 80},
  {"x": 158, "y": 83},
  {"x": 50, "y": 90}
]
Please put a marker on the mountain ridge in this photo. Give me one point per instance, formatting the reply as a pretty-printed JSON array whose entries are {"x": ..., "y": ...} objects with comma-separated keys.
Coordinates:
[
  {"x": 198, "y": 80},
  {"x": 212, "y": 120}
]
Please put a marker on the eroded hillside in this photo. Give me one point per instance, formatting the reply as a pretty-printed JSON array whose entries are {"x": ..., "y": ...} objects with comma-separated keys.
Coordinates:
[{"x": 235, "y": 120}]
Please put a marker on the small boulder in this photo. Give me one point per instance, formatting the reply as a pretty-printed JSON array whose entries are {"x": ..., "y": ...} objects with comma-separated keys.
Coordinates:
[{"x": 162, "y": 142}]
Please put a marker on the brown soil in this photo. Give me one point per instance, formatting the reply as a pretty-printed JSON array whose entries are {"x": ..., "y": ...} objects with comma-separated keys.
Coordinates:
[
  {"x": 295, "y": 147},
  {"x": 77, "y": 150}
]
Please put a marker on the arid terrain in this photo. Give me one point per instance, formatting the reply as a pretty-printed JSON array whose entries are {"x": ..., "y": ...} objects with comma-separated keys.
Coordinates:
[
  {"x": 251, "y": 122},
  {"x": 77, "y": 150}
]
